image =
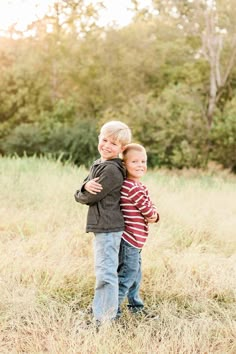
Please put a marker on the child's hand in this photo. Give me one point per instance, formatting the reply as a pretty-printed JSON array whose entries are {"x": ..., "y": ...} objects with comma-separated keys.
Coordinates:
[
  {"x": 93, "y": 186},
  {"x": 152, "y": 219}
]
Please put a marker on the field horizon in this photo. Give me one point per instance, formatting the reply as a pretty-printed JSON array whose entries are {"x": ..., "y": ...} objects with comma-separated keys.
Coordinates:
[{"x": 47, "y": 275}]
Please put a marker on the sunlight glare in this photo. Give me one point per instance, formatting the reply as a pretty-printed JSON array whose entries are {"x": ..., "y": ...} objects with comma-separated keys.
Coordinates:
[
  {"x": 116, "y": 12},
  {"x": 21, "y": 13}
]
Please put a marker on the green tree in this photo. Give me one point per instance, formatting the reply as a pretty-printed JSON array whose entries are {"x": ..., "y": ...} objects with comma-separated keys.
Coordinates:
[
  {"x": 170, "y": 127},
  {"x": 213, "y": 25}
]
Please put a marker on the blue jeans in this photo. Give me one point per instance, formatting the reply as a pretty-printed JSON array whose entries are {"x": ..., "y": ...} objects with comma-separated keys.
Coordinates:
[
  {"x": 106, "y": 251},
  {"x": 130, "y": 274}
]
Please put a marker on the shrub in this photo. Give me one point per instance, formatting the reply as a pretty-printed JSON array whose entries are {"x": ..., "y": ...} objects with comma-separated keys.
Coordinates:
[
  {"x": 223, "y": 137},
  {"x": 76, "y": 142}
]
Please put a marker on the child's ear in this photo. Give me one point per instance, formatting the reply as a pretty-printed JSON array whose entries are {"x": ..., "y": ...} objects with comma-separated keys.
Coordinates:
[{"x": 121, "y": 152}]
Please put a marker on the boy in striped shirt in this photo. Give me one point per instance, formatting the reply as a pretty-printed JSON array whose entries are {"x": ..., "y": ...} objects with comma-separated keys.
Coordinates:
[{"x": 138, "y": 210}]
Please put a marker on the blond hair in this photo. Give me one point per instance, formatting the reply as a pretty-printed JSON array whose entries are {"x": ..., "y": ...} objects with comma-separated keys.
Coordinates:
[
  {"x": 117, "y": 130},
  {"x": 133, "y": 147}
]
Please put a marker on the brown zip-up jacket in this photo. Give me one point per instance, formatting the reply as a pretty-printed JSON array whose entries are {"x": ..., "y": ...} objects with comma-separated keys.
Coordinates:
[{"x": 104, "y": 213}]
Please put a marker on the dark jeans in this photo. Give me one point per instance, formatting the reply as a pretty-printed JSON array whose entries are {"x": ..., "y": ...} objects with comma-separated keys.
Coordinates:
[{"x": 129, "y": 275}]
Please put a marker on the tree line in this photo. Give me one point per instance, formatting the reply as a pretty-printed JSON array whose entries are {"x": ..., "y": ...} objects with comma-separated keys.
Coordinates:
[{"x": 170, "y": 74}]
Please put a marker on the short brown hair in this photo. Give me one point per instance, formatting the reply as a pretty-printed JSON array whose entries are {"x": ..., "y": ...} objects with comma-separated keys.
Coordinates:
[{"x": 133, "y": 147}]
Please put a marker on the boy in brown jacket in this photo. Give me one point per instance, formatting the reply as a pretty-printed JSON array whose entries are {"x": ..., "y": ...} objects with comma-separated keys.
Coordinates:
[{"x": 105, "y": 218}]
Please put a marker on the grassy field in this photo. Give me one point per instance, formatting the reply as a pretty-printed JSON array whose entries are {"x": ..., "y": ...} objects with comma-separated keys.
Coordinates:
[{"x": 46, "y": 266}]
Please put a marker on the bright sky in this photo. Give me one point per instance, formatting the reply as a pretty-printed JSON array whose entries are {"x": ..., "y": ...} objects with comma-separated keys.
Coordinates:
[
  {"x": 24, "y": 12},
  {"x": 21, "y": 12}
]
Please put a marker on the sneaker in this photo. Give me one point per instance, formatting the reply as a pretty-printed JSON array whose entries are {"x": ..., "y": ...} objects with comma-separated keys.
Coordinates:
[
  {"x": 145, "y": 314},
  {"x": 135, "y": 309},
  {"x": 89, "y": 324}
]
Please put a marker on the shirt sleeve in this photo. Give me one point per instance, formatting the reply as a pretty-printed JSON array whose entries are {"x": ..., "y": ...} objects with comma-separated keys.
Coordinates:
[
  {"x": 141, "y": 200},
  {"x": 110, "y": 178}
]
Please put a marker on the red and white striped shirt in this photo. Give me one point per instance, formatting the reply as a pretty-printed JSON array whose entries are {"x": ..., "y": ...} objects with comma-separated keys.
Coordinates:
[{"x": 136, "y": 206}]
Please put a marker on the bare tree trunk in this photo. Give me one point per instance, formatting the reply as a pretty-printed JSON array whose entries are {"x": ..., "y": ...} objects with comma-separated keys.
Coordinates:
[
  {"x": 212, "y": 45},
  {"x": 212, "y": 98}
]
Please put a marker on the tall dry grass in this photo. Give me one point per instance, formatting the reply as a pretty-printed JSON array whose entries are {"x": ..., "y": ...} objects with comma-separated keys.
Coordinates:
[{"x": 46, "y": 266}]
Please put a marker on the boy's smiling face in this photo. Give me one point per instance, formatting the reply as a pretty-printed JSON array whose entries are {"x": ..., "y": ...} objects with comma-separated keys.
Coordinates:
[
  {"x": 136, "y": 164},
  {"x": 108, "y": 147}
]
